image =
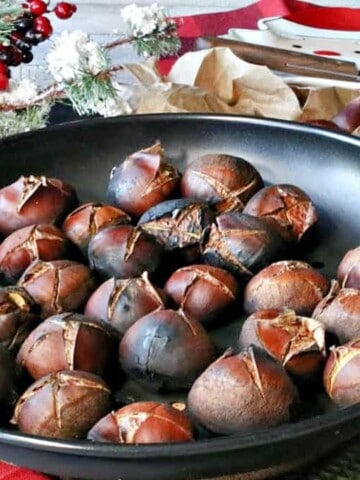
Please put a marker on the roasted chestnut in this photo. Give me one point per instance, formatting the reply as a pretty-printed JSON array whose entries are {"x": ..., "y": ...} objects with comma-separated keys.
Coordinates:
[
  {"x": 123, "y": 252},
  {"x": 58, "y": 286},
  {"x": 298, "y": 343},
  {"x": 241, "y": 244},
  {"x": 177, "y": 225},
  {"x": 342, "y": 374},
  {"x": 348, "y": 272},
  {"x": 348, "y": 118},
  {"x": 289, "y": 207},
  {"x": 9, "y": 376},
  {"x": 68, "y": 341},
  {"x": 32, "y": 200},
  {"x": 224, "y": 181},
  {"x": 18, "y": 316},
  {"x": 62, "y": 405},
  {"x": 142, "y": 180},
  {"x": 120, "y": 303},
  {"x": 165, "y": 350},
  {"x": 20, "y": 248},
  {"x": 88, "y": 219},
  {"x": 289, "y": 283},
  {"x": 143, "y": 422},
  {"x": 242, "y": 391},
  {"x": 339, "y": 312},
  {"x": 203, "y": 292}
]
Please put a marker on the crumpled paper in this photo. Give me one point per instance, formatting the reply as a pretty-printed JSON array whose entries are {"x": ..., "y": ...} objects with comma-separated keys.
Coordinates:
[{"x": 217, "y": 81}]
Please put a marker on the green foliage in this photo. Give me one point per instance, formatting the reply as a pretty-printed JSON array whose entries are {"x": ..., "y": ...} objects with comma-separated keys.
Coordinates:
[{"x": 21, "y": 121}]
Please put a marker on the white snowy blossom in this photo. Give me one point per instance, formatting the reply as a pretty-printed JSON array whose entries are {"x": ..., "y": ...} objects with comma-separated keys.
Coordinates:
[
  {"x": 73, "y": 54},
  {"x": 22, "y": 91},
  {"x": 142, "y": 21},
  {"x": 114, "y": 105}
]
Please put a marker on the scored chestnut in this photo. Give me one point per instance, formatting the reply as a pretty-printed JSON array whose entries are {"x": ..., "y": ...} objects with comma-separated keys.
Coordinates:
[
  {"x": 289, "y": 283},
  {"x": 165, "y": 350},
  {"x": 68, "y": 341},
  {"x": 286, "y": 206},
  {"x": 36, "y": 242},
  {"x": 342, "y": 374},
  {"x": 339, "y": 312},
  {"x": 203, "y": 292},
  {"x": 241, "y": 243},
  {"x": 224, "y": 181},
  {"x": 120, "y": 303},
  {"x": 142, "y": 180},
  {"x": 143, "y": 422},
  {"x": 58, "y": 286},
  {"x": 88, "y": 219},
  {"x": 242, "y": 391},
  {"x": 298, "y": 343},
  {"x": 18, "y": 316},
  {"x": 348, "y": 272},
  {"x": 32, "y": 200},
  {"x": 122, "y": 252},
  {"x": 62, "y": 405}
]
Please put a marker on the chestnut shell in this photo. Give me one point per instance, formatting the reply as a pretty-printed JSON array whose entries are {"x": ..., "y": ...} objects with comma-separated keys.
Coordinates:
[{"x": 348, "y": 272}]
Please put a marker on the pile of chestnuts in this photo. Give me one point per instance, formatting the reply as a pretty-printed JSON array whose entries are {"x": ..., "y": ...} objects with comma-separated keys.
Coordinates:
[{"x": 99, "y": 296}]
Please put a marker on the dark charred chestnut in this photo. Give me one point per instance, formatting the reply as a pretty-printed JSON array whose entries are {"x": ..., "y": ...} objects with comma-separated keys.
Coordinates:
[
  {"x": 203, "y": 292},
  {"x": 224, "y": 181},
  {"x": 22, "y": 247},
  {"x": 241, "y": 244},
  {"x": 348, "y": 272},
  {"x": 143, "y": 180},
  {"x": 18, "y": 316},
  {"x": 58, "y": 286},
  {"x": 68, "y": 341},
  {"x": 288, "y": 206},
  {"x": 62, "y": 405},
  {"x": 123, "y": 252},
  {"x": 32, "y": 200},
  {"x": 143, "y": 422},
  {"x": 242, "y": 391},
  {"x": 8, "y": 381},
  {"x": 298, "y": 343},
  {"x": 88, "y": 219},
  {"x": 339, "y": 312},
  {"x": 292, "y": 284},
  {"x": 120, "y": 303},
  {"x": 177, "y": 225},
  {"x": 165, "y": 350},
  {"x": 342, "y": 374}
]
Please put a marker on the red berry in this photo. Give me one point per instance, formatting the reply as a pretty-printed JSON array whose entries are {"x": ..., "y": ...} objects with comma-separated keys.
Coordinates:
[
  {"x": 4, "y": 82},
  {"x": 43, "y": 25},
  {"x": 64, "y": 10},
  {"x": 37, "y": 7},
  {"x": 4, "y": 69}
]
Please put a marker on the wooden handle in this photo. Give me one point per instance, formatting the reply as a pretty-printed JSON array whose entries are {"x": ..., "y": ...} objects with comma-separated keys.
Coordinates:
[{"x": 284, "y": 60}]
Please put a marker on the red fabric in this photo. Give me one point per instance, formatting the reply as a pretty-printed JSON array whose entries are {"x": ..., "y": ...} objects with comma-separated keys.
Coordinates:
[
  {"x": 329, "y": 18},
  {"x": 9, "y": 472}
]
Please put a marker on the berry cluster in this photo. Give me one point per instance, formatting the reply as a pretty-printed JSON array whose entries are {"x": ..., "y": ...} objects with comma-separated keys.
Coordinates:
[{"x": 29, "y": 29}]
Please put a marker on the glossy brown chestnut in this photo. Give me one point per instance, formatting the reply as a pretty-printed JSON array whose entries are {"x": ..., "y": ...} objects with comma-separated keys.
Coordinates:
[
  {"x": 348, "y": 272},
  {"x": 339, "y": 312},
  {"x": 123, "y": 252},
  {"x": 62, "y": 405},
  {"x": 58, "y": 286},
  {"x": 203, "y": 292},
  {"x": 224, "y": 181},
  {"x": 349, "y": 117},
  {"x": 165, "y": 350},
  {"x": 143, "y": 422},
  {"x": 22, "y": 247},
  {"x": 241, "y": 243},
  {"x": 242, "y": 391},
  {"x": 120, "y": 303},
  {"x": 68, "y": 341},
  {"x": 33, "y": 200},
  {"x": 88, "y": 219},
  {"x": 298, "y": 343},
  {"x": 18, "y": 316},
  {"x": 142, "y": 180},
  {"x": 288, "y": 206},
  {"x": 290, "y": 283},
  {"x": 342, "y": 374}
]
